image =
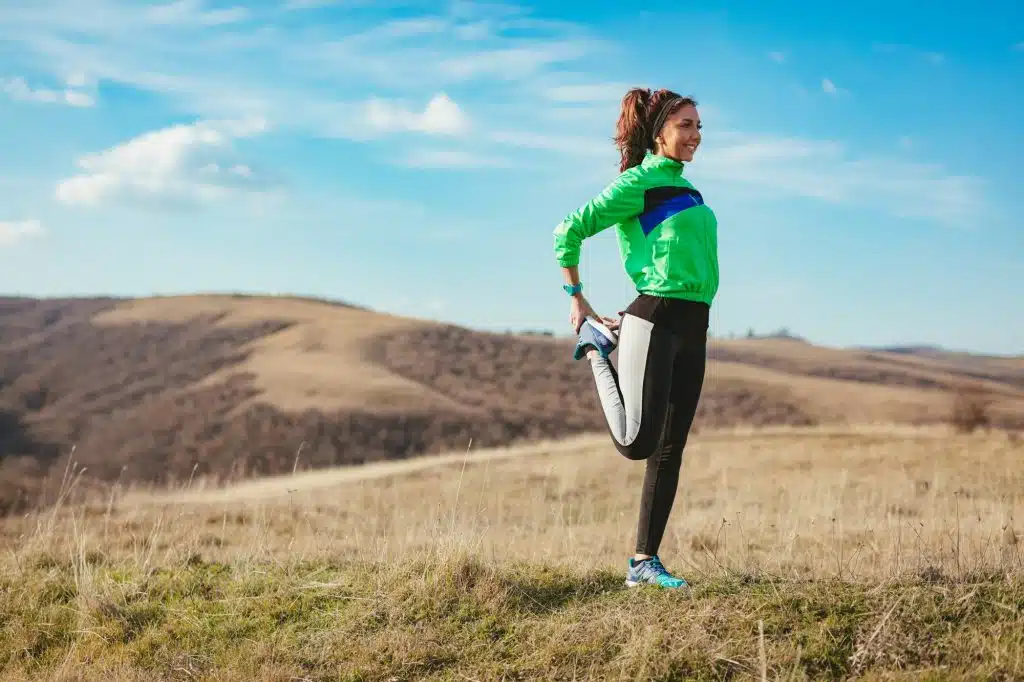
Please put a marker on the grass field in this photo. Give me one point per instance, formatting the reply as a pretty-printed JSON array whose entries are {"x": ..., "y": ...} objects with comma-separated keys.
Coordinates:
[{"x": 822, "y": 553}]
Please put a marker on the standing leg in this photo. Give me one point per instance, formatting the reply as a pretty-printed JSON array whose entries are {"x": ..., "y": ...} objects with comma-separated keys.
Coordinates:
[{"x": 661, "y": 479}]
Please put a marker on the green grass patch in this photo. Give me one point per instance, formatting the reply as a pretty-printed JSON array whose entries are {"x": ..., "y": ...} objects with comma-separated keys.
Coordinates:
[{"x": 462, "y": 619}]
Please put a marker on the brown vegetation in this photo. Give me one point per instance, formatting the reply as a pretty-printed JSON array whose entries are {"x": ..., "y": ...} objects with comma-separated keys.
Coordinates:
[
  {"x": 225, "y": 387},
  {"x": 813, "y": 553},
  {"x": 970, "y": 409}
]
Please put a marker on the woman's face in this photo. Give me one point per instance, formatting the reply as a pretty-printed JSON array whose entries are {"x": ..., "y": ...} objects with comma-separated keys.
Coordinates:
[{"x": 680, "y": 136}]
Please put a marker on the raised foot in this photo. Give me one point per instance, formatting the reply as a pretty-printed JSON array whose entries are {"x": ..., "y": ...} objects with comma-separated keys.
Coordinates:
[{"x": 595, "y": 335}]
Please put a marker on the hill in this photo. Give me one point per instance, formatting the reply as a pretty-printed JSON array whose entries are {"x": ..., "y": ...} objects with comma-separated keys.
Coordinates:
[{"x": 164, "y": 390}]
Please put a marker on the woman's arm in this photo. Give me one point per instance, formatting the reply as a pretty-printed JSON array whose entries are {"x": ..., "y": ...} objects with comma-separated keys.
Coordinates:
[
  {"x": 622, "y": 199},
  {"x": 579, "y": 308},
  {"x": 571, "y": 275}
]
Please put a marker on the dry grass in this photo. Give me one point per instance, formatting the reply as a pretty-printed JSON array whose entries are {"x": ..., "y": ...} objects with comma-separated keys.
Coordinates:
[
  {"x": 882, "y": 552},
  {"x": 873, "y": 503}
]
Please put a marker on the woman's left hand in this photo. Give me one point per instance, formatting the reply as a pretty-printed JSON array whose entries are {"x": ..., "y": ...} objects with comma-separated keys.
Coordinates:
[{"x": 612, "y": 324}]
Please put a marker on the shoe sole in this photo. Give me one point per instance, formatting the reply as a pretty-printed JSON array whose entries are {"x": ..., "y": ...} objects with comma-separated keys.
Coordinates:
[
  {"x": 633, "y": 583},
  {"x": 605, "y": 331}
]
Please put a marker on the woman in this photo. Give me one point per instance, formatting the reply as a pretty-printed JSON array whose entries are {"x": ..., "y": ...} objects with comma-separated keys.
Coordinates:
[{"x": 668, "y": 242}]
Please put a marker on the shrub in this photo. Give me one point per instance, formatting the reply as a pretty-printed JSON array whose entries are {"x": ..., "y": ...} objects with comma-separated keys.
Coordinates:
[{"x": 971, "y": 409}]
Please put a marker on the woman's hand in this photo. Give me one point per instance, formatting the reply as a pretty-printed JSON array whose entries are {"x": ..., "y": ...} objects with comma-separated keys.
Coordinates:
[
  {"x": 579, "y": 311},
  {"x": 579, "y": 308}
]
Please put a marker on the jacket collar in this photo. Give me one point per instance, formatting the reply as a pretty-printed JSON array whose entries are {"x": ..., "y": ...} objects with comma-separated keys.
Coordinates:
[{"x": 652, "y": 160}]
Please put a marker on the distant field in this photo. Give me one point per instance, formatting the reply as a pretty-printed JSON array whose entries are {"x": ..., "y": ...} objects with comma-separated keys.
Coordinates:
[
  {"x": 226, "y": 388},
  {"x": 880, "y": 552}
]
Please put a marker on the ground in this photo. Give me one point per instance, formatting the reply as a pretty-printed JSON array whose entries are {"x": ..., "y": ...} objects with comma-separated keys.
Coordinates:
[{"x": 875, "y": 552}]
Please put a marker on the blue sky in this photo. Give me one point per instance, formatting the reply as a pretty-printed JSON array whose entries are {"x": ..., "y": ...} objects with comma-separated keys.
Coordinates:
[{"x": 864, "y": 160}]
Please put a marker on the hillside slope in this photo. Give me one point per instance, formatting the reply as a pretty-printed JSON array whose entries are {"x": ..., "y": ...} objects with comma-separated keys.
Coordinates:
[{"x": 163, "y": 389}]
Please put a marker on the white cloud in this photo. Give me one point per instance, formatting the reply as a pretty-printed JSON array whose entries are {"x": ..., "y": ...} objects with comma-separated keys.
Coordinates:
[
  {"x": 121, "y": 21},
  {"x": 442, "y": 116},
  {"x": 586, "y": 92},
  {"x": 77, "y": 79},
  {"x": 315, "y": 80},
  {"x": 777, "y": 57},
  {"x": 181, "y": 164},
  {"x": 477, "y": 30},
  {"x": 78, "y": 99},
  {"x": 192, "y": 12},
  {"x": 829, "y": 87},
  {"x": 306, "y": 77},
  {"x": 452, "y": 159},
  {"x": 577, "y": 145},
  {"x": 20, "y": 91},
  {"x": 511, "y": 63},
  {"x": 931, "y": 56},
  {"x": 13, "y": 232},
  {"x": 474, "y": 9},
  {"x": 295, "y": 5},
  {"x": 387, "y": 32},
  {"x": 825, "y": 170}
]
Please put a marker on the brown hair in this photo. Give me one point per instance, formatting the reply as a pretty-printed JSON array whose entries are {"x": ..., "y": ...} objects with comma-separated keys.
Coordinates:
[{"x": 640, "y": 109}]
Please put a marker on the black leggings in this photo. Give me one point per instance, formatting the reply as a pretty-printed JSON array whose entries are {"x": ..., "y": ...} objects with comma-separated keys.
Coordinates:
[{"x": 650, "y": 400}]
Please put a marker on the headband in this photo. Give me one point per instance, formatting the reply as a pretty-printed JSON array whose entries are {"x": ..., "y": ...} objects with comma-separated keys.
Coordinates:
[{"x": 659, "y": 121}]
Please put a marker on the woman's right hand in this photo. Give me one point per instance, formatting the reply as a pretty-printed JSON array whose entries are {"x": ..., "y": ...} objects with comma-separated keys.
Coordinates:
[{"x": 579, "y": 311}]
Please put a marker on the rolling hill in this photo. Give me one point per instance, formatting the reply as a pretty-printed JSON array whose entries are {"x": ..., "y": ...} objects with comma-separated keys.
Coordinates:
[{"x": 161, "y": 390}]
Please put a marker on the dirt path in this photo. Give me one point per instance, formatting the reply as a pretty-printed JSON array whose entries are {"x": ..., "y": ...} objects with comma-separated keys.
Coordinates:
[
  {"x": 275, "y": 486},
  {"x": 305, "y": 481}
]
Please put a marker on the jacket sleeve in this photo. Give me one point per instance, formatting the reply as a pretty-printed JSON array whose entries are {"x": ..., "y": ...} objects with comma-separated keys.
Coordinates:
[{"x": 622, "y": 199}]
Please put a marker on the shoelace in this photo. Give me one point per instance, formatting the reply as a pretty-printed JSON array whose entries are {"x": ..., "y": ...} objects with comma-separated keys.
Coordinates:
[{"x": 656, "y": 567}]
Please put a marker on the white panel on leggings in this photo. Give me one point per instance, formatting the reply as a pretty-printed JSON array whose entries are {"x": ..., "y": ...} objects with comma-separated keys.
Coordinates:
[{"x": 634, "y": 342}]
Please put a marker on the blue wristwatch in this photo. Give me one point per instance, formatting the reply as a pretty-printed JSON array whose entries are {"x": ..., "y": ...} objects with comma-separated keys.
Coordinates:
[{"x": 572, "y": 290}]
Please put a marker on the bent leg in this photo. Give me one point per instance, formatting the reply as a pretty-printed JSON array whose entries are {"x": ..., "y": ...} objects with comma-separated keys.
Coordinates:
[
  {"x": 661, "y": 479},
  {"x": 635, "y": 399}
]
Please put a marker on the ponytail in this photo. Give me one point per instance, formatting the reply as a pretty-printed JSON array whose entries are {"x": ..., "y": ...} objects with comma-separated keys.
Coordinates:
[
  {"x": 631, "y": 129},
  {"x": 640, "y": 111}
]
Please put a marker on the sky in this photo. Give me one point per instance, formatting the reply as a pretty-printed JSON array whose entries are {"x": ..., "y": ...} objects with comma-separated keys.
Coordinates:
[{"x": 864, "y": 160}]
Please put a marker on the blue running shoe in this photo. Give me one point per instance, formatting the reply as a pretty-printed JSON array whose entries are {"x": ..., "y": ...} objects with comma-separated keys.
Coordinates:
[
  {"x": 593, "y": 334},
  {"x": 651, "y": 572}
]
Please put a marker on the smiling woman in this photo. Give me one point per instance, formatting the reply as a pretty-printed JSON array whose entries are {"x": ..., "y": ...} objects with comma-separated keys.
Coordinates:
[{"x": 668, "y": 241}]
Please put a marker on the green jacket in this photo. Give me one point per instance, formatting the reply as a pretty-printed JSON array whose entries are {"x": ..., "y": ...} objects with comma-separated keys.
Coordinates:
[{"x": 668, "y": 237}]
